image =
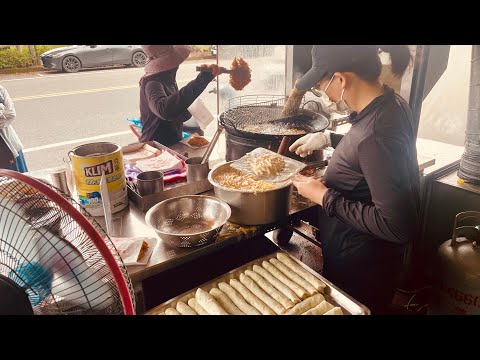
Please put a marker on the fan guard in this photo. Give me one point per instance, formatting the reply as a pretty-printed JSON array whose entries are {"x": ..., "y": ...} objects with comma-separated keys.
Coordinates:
[{"x": 59, "y": 254}]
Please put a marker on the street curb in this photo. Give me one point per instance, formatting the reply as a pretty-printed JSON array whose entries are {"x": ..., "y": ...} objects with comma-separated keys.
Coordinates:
[{"x": 9, "y": 71}]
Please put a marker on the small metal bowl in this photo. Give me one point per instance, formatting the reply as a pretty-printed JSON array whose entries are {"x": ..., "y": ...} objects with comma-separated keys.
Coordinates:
[{"x": 188, "y": 221}]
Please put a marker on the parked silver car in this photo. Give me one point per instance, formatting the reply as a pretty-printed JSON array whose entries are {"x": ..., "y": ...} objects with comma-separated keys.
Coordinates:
[{"x": 73, "y": 58}]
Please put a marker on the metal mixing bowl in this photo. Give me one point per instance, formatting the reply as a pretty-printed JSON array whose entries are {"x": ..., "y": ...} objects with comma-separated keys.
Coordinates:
[
  {"x": 253, "y": 208},
  {"x": 187, "y": 221}
]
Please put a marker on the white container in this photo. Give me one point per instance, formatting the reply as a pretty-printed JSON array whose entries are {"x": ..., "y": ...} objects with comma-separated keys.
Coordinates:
[{"x": 200, "y": 112}]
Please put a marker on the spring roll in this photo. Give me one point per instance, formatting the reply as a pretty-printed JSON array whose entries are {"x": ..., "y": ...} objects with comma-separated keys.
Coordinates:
[
  {"x": 306, "y": 305},
  {"x": 314, "y": 281},
  {"x": 238, "y": 300},
  {"x": 335, "y": 311},
  {"x": 184, "y": 309},
  {"x": 225, "y": 302},
  {"x": 270, "y": 290},
  {"x": 262, "y": 295},
  {"x": 171, "y": 311},
  {"x": 251, "y": 298},
  {"x": 297, "y": 289},
  {"x": 320, "y": 309},
  {"x": 195, "y": 306},
  {"x": 209, "y": 303},
  {"x": 293, "y": 276},
  {"x": 284, "y": 289}
]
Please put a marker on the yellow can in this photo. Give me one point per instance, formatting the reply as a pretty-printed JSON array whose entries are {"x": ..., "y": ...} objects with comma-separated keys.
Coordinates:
[{"x": 89, "y": 161}]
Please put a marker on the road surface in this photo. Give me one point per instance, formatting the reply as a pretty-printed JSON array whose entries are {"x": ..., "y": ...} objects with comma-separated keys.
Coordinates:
[{"x": 57, "y": 112}]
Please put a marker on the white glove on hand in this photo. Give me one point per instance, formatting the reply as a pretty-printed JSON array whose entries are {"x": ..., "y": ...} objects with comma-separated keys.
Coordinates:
[{"x": 307, "y": 144}]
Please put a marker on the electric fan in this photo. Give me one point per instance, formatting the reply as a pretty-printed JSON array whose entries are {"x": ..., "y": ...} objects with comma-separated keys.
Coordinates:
[{"x": 54, "y": 257}]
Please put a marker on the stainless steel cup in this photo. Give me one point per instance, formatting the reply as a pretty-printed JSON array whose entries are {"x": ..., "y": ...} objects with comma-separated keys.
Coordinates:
[
  {"x": 150, "y": 182},
  {"x": 195, "y": 170},
  {"x": 59, "y": 180}
]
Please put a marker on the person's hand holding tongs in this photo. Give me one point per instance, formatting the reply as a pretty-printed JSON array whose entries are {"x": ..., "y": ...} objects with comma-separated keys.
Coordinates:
[
  {"x": 293, "y": 102},
  {"x": 213, "y": 68}
]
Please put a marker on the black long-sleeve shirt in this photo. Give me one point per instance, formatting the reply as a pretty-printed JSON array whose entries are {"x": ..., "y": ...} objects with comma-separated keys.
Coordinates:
[
  {"x": 163, "y": 107},
  {"x": 373, "y": 177}
]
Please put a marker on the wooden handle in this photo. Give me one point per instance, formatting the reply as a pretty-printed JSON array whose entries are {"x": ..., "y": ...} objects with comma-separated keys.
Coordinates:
[
  {"x": 224, "y": 70},
  {"x": 282, "y": 149}
]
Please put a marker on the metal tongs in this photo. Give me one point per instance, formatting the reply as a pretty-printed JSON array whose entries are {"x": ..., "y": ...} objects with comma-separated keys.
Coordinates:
[
  {"x": 315, "y": 165},
  {"x": 210, "y": 147},
  {"x": 239, "y": 72}
]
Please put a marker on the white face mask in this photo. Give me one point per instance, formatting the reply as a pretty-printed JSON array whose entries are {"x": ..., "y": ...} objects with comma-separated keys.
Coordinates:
[{"x": 328, "y": 105}]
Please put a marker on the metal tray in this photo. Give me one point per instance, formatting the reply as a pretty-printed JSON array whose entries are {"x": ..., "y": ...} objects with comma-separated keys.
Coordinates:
[
  {"x": 181, "y": 188},
  {"x": 332, "y": 294}
]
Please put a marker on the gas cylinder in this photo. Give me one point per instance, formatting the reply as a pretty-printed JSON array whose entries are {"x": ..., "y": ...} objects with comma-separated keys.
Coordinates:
[{"x": 458, "y": 286}]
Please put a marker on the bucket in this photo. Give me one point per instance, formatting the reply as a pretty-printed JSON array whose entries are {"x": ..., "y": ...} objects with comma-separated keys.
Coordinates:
[{"x": 88, "y": 162}]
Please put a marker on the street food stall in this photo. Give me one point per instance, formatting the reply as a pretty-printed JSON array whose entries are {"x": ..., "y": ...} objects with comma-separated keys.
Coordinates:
[{"x": 212, "y": 234}]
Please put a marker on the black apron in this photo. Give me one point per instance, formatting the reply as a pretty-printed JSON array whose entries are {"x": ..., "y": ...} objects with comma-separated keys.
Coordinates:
[{"x": 365, "y": 268}]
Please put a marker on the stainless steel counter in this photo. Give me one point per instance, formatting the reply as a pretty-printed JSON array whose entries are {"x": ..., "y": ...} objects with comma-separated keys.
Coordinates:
[{"x": 131, "y": 222}]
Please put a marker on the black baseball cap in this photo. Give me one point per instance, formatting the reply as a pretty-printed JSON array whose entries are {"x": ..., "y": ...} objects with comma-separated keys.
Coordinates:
[{"x": 328, "y": 59}]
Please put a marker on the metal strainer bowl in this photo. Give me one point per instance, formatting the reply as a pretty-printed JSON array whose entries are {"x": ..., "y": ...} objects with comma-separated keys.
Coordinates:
[{"x": 187, "y": 221}]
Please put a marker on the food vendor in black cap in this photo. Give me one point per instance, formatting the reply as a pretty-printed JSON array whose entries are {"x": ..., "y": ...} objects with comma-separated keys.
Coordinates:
[{"x": 370, "y": 190}]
